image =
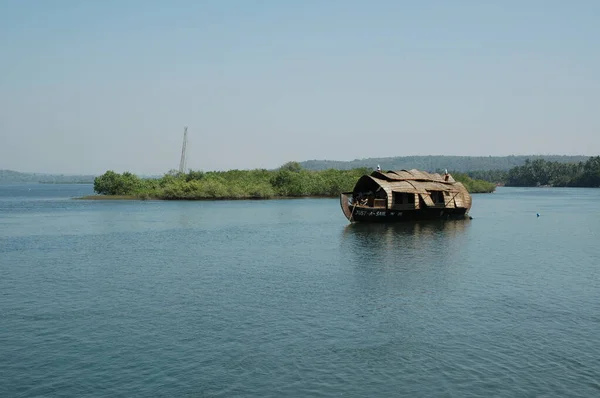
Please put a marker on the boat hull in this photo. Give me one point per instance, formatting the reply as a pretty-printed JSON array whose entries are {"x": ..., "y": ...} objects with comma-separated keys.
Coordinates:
[{"x": 365, "y": 214}]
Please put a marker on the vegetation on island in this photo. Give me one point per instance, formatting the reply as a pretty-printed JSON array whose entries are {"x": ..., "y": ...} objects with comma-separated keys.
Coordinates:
[
  {"x": 290, "y": 180},
  {"x": 497, "y": 177},
  {"x": 474, "y": 185}
]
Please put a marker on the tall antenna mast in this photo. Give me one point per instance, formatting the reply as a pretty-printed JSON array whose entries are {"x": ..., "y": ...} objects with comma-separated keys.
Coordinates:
[{"x": 183, "y": 152}]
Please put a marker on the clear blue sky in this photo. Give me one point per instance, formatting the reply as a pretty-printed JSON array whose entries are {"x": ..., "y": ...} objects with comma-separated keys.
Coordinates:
[{"x": 87, "y": 86}]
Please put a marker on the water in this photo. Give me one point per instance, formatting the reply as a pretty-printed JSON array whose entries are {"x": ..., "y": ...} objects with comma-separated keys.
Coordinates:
[{"x": 285, "y": 298}]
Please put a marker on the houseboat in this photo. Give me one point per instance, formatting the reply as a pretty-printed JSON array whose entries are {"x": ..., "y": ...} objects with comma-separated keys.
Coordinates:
[{"x": 405, "y": 195}]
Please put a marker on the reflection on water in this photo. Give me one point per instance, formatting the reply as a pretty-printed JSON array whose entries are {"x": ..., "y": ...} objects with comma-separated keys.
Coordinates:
[
  {"x": 409, "y": 235},
  {"x": 401, "y": 270},
  {"x": 398, "y": 258}
]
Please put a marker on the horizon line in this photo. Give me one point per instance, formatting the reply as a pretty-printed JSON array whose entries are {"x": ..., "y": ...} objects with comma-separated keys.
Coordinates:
[{"x": 299, "y": 161}]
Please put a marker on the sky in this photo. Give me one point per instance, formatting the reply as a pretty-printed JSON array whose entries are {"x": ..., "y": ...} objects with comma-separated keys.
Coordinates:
[{"x": 90, "y": 86}]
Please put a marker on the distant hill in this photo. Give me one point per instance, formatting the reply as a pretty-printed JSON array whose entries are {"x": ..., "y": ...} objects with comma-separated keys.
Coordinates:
[
  {"x": 463, "y": 164},
  {"x": 11, "y": 176},
  {"x": 434, "y": 163}
]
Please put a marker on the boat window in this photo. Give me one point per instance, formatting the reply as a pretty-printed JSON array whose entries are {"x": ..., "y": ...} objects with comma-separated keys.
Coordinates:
[
  {"x": 398, "y": 198},
  {"x": 437, "y": 196},
  {"x": 403, "y": 198}
]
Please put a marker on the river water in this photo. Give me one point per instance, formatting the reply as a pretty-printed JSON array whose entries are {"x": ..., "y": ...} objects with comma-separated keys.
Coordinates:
[{"x": 285, "y": 298}]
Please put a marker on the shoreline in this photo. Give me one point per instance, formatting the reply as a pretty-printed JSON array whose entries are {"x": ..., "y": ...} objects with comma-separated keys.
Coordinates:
[
  {"x": 140, "y": 198},
  {"x": 133, "y": 197}
]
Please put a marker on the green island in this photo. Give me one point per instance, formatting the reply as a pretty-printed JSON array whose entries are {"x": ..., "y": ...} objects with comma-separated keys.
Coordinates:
[{"x": 289, "y": 181}]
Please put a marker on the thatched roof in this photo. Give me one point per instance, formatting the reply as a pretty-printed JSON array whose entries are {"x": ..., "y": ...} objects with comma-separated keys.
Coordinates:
[
  {"x": 413, "y": 186},
  {"x": 411, "y": 181},
  {"x": 412, "y": 175}
]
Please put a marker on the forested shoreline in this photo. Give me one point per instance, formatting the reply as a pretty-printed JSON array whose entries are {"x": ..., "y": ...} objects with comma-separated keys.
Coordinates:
[
  {"x": 539, "y": 172},
  {"x": 290, "y": 180},
  {"x": 545, "y": 173}
]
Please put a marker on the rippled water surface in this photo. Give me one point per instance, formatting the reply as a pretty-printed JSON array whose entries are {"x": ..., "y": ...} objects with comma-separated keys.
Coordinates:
[{"x": 285, "y": 298}]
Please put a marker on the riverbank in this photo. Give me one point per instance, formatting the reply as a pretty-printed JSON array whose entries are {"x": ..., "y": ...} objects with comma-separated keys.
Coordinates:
[
  {"x": 131, "y": 197},
  {"x": 225, "y": 198},
  {"x": 289, "y": 181}
]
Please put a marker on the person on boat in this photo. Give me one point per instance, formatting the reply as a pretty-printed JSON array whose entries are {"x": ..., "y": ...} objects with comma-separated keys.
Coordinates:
[
  {"x": 359, "y": 199},
  {"x": 378, "y": 168}
]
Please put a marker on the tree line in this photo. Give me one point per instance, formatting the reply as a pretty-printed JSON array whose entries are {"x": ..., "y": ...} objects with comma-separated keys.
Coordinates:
[
  {"x": 544, "y": 173},
  {"x": 290, "y": 180},
  {"x": 540, "y": 172},
  {"x": 440, "y": 162}
]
